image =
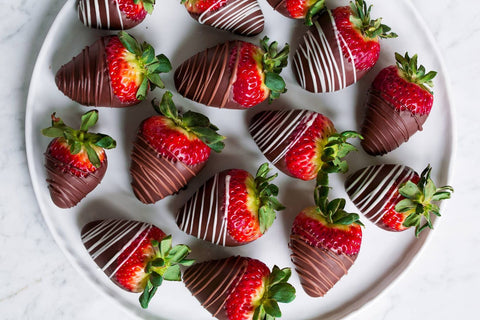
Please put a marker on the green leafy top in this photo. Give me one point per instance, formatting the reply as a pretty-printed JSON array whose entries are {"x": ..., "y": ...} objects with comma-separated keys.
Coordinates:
[
  {"x": 191, "y": 121},
  {"x": 314, "y": 10},
  {"x": 412, "y": 73},
  {"x": 336, "y": 149},
  {"x": 372, "y": 29},
  {"x": 418, "y": 201},
  {"x": 81, "y": 139},
  {"x": 333, "y": 211},
  {"x": 151, "y": 65},
  {"x": 267, "y": 194},
  {"x": 147, "y": 5},
  {"x": 277, "y": 290},
  {"x": 165, "y": 265},
  {"x": 273, "y": 62}
]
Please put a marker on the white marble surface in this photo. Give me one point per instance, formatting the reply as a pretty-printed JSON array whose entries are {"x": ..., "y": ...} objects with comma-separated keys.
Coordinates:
[{"x": 37, "y": 282}]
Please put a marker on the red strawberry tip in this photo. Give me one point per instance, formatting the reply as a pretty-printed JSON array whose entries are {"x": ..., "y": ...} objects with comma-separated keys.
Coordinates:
[
  {"x": 79, "y": 139},
  {"x": 372, "y": 29},
  {"x": 336, "y": 149},
  {"x": 190, "y": 121},
  {"x": 151, "y": 65},
  {"x": 164, "y": 266},
  {"x": 316, "y": 9},
  {"x": 418, "y": 201},
  {"x": 273, "y": 61},
  {"x": 410, "y": 71}
]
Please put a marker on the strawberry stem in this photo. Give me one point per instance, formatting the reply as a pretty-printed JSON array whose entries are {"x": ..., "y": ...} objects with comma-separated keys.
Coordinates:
[
  {"x": 336, "y": 149},
  {"x": 314, "y": 10},
  {"x": 412, "y": 73},
  {"x": 273, "y": 62},
  {"x": 372, "y": 29}
]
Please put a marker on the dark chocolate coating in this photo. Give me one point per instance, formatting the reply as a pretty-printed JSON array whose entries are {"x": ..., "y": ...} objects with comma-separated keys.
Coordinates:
[
  {"x": 203, "y": 215},
  {"x": 319, "y": 269},
  {"x": 280, "y": 6},
  {"x": 320, "y": 64},
  {"x": 153, "y": 176},
  {"x": 212, "y": 282},
  {"x": 385, "y": 128},
  {"x": 67, "y": 189},
  {"x": 86, "y": 80},
  {"x": 207, "y": 78},
  {"x": 243, "y": 17},
  {"x": 104, "y": 14}
]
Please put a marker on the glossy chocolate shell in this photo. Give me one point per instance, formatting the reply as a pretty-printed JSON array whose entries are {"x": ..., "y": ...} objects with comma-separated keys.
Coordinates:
[{"x": 104, "y": 14}]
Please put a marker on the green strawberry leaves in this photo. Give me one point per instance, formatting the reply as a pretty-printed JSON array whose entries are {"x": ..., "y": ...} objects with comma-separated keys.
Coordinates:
[
  {"x": 317, "y": 8},
  {"x": 147, "y": 5},
  {"x": 164, "y": 266},
  {"x": 336, "y": 149},
  {"x": 266, "y": 193},
  {"x": 372, "y": 29},
  {"x": 273, "y": 62},
  {"x": 79, "y": 140},
  {"x": 150, "y": 64},
  {"x": 411, "y": 72},
  {"x": 190, "y": 121},
  {"x": 418, "y": 201}
]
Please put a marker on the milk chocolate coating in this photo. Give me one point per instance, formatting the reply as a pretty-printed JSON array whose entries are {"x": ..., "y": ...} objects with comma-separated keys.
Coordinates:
[
  {"x": 86, "y": 80},
  {"x": 369, "y": 189},
  {"x": 207, "y": 78},
  {"x": 319, "y": 269},
  {"x": 243, "y": 17},
  {"x": 153, "y": 176},
  {"x": 212, "y": 282},
  {"x": 281, "y": 7},
  {"x": 385, "y": 128},
  {"x": 276, "y": 132},
  {"x": 107, "y": 240},
  {"x": 104, "y": 14},
  {"x": 320, "y": 64},
  {"x": 204, "y": 216},
  {"x": 67, "y": 189}
]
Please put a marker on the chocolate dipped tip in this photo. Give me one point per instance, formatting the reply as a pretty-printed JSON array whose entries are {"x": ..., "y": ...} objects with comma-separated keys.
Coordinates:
[
  {"x": 154, "y": 176},
  {"x": 105, "y": 14},
  {"x": 385, "y": 128},
  {"x": 67, "y": 189},
  {"x": 243, "y": 17},
  {"x": 319, "y": 269},
  {"x": 212, "y": 282}
]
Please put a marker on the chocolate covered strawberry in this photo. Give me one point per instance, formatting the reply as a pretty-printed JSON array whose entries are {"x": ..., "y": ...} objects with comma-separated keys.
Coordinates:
[
  {"x": 239, "y": 288},
  {"x": 301, "y": 143},
  {"x": 242, "y": 17},
  {"x": 395, "y": 197},
  {"x": 234, "y": 74},
  {"x": 169, "y": 150},
  {"x": 232, "y": 208},
  {"x": 339, "y": 48},
  {"x": 115, "y": 71},
  {"x": 75, "y": 159},
  {"x": 398, "y": 104},
  {"x": 299, "y": 9},
  {"x": 113, "y": 14},
  {"x": 136, "y": 256},
  {"x": 325, "y": 241}
]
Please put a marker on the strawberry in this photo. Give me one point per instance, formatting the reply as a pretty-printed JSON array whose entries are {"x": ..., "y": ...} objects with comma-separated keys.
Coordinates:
[
  {"x": 242, "y": 17},
  {"x": 395, "y": 197},
  {"x": 75, "y": 159},
  {"x": 298, "y": 9},
  {"x": 232, "y": 208},
  {"x": 136, "y": 256},
  {"x": 325, "y": 241},
  {"x": 238, "y": 288},
  {"x": 235, "y": 74},
  {"x": 340, "y": 47},
  {"x": 170, "y": 149},
  {"x": 398, "y": 104},
  {"x": 301, "y": 142},
  {"x": 115, "y": 71},
  {"x": 113, "y": 14}
]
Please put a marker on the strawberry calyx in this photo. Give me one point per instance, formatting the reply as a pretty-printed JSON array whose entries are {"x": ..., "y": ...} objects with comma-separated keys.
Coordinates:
[
  {"x": 277, "y": 290},
  {"x": 409, "y": 70},
  {"x": 81, "y": 139},
  {"x": 315, "y": 9},
  {"x": 150, "y": 65},
  {"x": 147, "y": 5},
  {"x": 335, "y": 150},
  {"x": 418, "y": 201},
  {"x": 266, "y": 194},
  {"x": 273, "y": 61},
  {"x": 372, "y": 29},
  {"x": 190, "y": 121},
  {"x": 165, "y": 265}
]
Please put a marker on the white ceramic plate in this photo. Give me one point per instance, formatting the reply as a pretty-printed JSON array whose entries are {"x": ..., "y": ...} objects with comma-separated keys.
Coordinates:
[{"x": 383, "y": 257}]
